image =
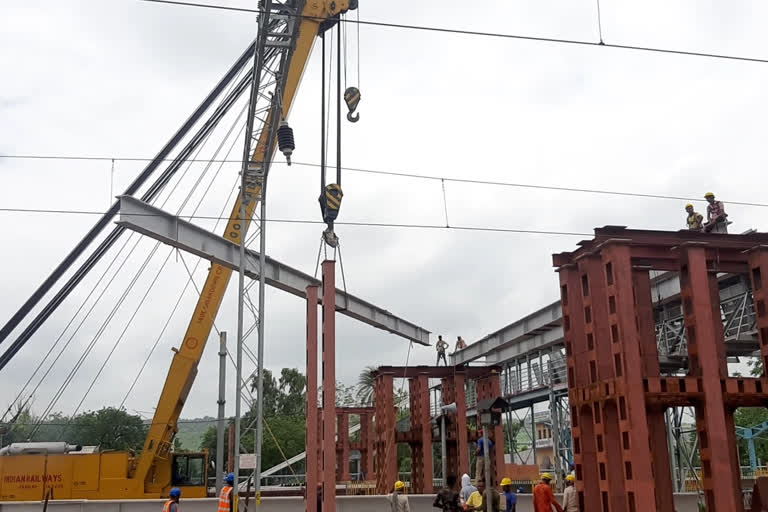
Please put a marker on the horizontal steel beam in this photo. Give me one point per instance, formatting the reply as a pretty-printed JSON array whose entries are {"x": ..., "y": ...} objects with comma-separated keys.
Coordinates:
[{"x": 167, "y": 228}]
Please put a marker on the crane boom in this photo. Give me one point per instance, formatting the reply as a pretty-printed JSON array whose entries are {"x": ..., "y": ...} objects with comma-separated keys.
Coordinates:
[{"x": 154, "y": 467}]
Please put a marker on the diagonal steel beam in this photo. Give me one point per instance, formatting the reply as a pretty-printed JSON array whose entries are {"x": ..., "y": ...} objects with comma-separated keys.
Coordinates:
[{"x": 167, "y": 228}]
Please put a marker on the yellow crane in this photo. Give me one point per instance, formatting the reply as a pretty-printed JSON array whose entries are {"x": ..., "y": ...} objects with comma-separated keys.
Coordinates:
[{"x": 60, "y": 471}]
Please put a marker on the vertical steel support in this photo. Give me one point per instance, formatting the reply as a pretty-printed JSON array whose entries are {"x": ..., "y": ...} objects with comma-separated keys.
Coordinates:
[
  {"x": 329, "y": 386},
  {"x": 220, "y": 416},
  {"x": 422, "y": 471},
  {"x": 312, "y": 416},
  {"x": 706, "y": 352},
  {"x": 462, "y": 442},
  {"x": 366, "y": 442},
  {"x": 386, "y": 449},
  {"x": 443, "y": 450},
  {"x": 342, "y": 444}
]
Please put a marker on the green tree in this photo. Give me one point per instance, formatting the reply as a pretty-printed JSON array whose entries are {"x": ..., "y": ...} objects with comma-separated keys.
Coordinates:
[
  {"x": 109, "y": 428},
  {"x": 365, "y": 386},
  {"x": 751, "y": 417},
  {"x": 292, "y": 397}
]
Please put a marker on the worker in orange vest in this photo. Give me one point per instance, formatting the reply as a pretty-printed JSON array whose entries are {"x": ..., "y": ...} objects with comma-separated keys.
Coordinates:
[
  {"x": 172, "y": 505},
  {"x": 225, "y": 498},
  {"x": 543, "y": 497}
]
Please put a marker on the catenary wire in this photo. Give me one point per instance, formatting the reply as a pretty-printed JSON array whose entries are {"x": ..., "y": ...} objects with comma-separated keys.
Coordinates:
[
  {"x": 500, "y": 35},
  {"x": 533, "y": 186}
]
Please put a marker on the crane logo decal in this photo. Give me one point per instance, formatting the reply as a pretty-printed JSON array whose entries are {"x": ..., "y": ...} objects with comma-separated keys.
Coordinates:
[{"x": 191, "y": 343}]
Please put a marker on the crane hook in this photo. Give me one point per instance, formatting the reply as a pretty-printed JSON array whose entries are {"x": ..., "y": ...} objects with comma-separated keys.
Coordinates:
[{"x": 352, "y": 98}]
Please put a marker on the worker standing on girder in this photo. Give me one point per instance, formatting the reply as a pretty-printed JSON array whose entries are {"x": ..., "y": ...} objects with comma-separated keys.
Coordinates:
[
  {"x": 480, "y": 456},
  {"x": 717, "y": 219},
  {"x": 570, "y": 497},
  {"x": 460, "y": 344},
  {"x": 172, "y": 505},
  {"x": 397, "y": 501},
  {"x": 226, "y": 497},
  {"x": 543, "y": 497},
  {"x": 441, "y": 347},
  {"x": 695, "y": 220}
]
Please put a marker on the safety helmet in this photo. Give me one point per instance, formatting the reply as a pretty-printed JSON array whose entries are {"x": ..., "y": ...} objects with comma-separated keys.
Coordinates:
[
  {"x": 399, "y": 485},
  {"x": 506, "y": 481},
  {"x": 546, "y": 476},
  {"x": 230, "y": 478},
  {"x": 175, "y": 492},
  {"x": 709, "y": 194},
  {"x": 570, "y": 478},
  {"x": 689, "y": 205}
]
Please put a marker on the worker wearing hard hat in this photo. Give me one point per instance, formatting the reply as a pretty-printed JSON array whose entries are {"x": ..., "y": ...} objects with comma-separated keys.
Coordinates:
[
  {"x": 511, "y": 497},
  {"x": 227, "y": 496},
  {"x": 570, "y": 497},
  {"x": 717, "y": 219},
  {"x": 695, "y": 220},
  {"x": 543, "y": 497},
  {"x": 172, "y": 505},
  {"x": 397, "y": 500}
]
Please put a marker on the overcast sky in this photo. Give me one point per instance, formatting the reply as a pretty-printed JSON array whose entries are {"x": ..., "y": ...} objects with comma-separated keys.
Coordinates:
[{"x": 117, "y": 77}]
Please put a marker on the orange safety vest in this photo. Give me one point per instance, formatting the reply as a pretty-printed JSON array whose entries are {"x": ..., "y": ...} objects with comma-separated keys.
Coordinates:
[
  {"x": 226, "y": 491},
  {"x": 167, "y": 506}
]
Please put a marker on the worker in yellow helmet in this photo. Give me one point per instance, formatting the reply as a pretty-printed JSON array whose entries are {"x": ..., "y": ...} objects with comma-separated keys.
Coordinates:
[
  {"x": 543, "y": 497},
  {"x": 570, "y": 497},
  {"x": 695, "y": 220},
  {"x": 717, "y": 219},
  {"x": 511, "y": 497},
  {"x": 398, "y": 502}
]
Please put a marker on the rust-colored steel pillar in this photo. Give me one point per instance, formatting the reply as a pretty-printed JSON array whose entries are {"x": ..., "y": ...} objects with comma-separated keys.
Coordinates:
[
  {"x": 603, "y": 368},
  {"x": 367, "y": 446},
  {"x": 704, "y": 329},
  {"x": 312, "y": 419},
  {"x": 580, "y": 359},
  {"x": 462, "y": 442},
  {"x": 329, "y": 386},
  {"x": 626, "y": 305},
  {"x": 758, "y": 274},
  {"x": 422, "y": 471},
  {"x": 657, "y": 426},
  {"x": 386, "y": 448},
  {"x": 342, "y": 451}
]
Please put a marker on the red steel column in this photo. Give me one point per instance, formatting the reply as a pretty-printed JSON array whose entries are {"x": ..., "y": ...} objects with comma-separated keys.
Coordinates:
[
  {"x": 386, "y": 449},
  {"x": 366, "y": 443},
  {"x": 329, "y": 386},
  {"x": 657, "y": 426},
  {"x": 422, "y": 470},
  {"x": 758, "y": 273},
  {"x": 720, "y": 469},
  {"x": 462, "y": 440},
  {"x": 343, "y": 444},
  {"x": 312, "y": 420},
  {"x": 631, "y": 439}
]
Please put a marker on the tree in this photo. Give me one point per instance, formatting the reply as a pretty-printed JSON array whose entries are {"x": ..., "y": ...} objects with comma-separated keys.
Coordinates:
[
  {"x": 292, "y": 397},
  {"x": 271, "y": 392},
  {"x": 365, "y": 386},
  {"x": 751, "y": 417},
  {"x": 108, "y": 428}
]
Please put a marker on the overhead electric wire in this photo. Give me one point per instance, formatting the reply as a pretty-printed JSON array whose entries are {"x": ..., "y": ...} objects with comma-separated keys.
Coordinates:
[
  {"x": 499, "y": 35},
  {"x": 533, "y": 186}
]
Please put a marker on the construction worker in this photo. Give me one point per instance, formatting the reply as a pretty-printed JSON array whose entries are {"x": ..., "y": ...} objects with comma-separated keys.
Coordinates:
[
  {"x": 441, "y": 346},
  {"x": 460, "y": 344},
  {"x": 447, "y": 498},
  {"x": 717, "y": 219},
  {"x": 478, "y": 500},
  {"x": 695, "y": 220},
  {"x": 511, "y": 497},
  {"x": 543, "y": 497},
  {"x": 172, "y": 505},
  {"x": 480, "y": 456},
  {"x": 466, "y": 490},
  {"x": 570, "y": 497},
  {"x": 226, "y": 497},
  {"x": 397, "y": 501}
]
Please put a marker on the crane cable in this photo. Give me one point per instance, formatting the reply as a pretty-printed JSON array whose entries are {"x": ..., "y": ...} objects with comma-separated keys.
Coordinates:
[{"x": 74, "y": 371}]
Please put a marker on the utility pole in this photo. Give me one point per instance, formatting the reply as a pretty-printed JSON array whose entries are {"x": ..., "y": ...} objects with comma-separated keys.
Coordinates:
[{"x": 220, "y": 417}]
